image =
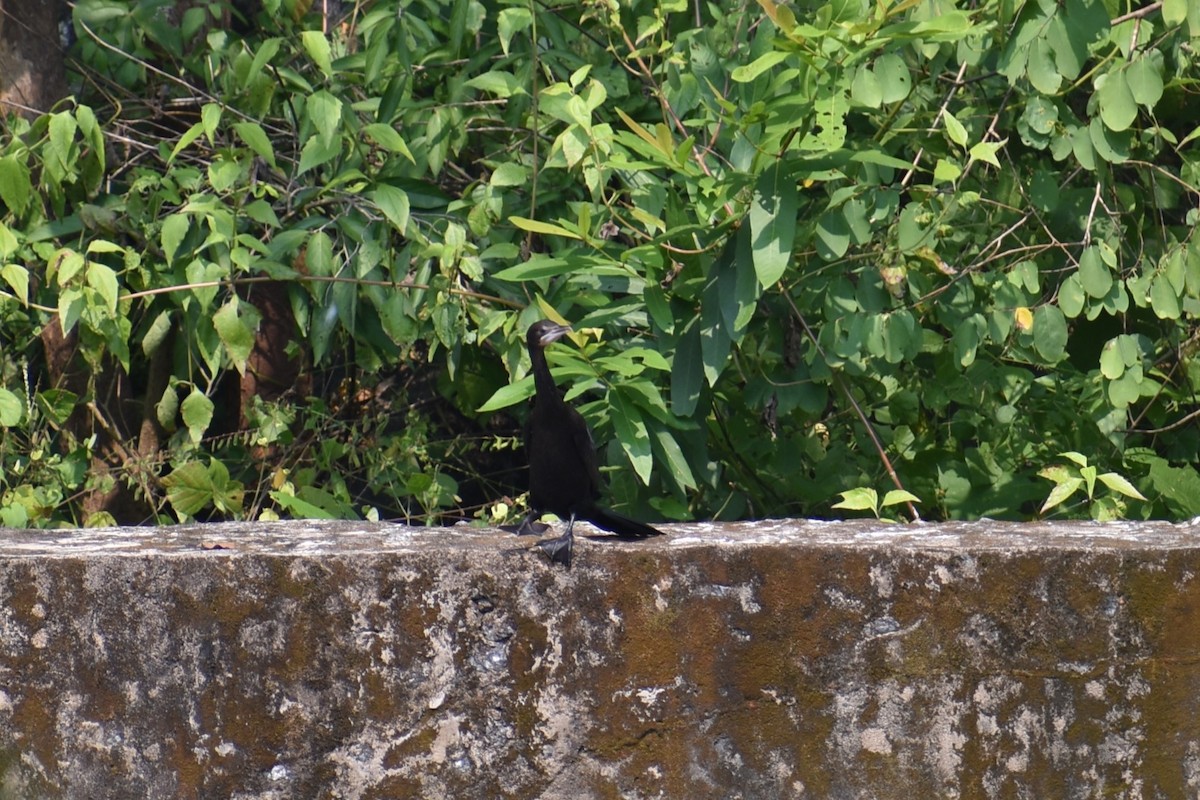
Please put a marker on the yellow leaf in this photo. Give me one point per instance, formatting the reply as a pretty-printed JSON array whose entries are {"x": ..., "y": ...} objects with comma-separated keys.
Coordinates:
[{"x": 1024, "y": 319}]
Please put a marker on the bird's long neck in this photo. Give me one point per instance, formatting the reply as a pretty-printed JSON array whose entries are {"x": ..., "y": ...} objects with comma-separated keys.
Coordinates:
[{"x": 543, "y": 381}]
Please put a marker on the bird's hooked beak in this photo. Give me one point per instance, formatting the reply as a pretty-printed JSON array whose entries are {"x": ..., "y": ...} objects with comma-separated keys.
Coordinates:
[{"x": 553, "y": 334}]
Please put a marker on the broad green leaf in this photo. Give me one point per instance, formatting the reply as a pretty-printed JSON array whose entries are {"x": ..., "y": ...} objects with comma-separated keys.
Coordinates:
[
  {"x": 189, "y": 488},
  {"x": 316, "y": 152},
  {"x": 860, "y": 499},
  {"x": 501, "y": 84},
  {"x": 1144, "y": 77},
  {"x": 388, "y": 138},
  {"x": 1061, "y": 492},
  {"x": 394, "y": 204},
  {"x": 1112, "y": 365},
  {"x": 266, "y": 52},
  {"x": 324, "y": 111},
  {"x": 16, "y": 189},
  {"x": 1094, "y": 275},
  {"x": 546, "y": 228},
  {"x": 510, "y": 174},
  {"x": 748, "y": 72},
  {"x": 508, "y": 395},
  {"x": 235, "y": 334},
  {"x": 1174, "y": 11},
  {"x": 946, "y": 171},
  {"x": 166, "y": 410},
  {"x": 197, "y": 414},
  {"x": 1042, "y": 70},
  {"x": 157, "y": 333},
  {"x": 986, "y": 152},
  {"x": 317, "y": 47},
  {"x": 104, "y": 281},
  {"x": 898, "y": 496},
  {"x": 1050, "y": 333},
  {"x": 17, "y": 277},
  {"x": 70, "y": 308},
  {"x": 56, "y": 404},
  {"x": 12, "y": 410},
  {"x": 1112, "y": 146},
  {"x": 687, "y": 372},
  {"x": 1117, "y": 106},
  {"x": 1163, "y": 298},
  {"x": 256, "y": 139},
  {"x": 300, "y": 508},
  {"x": 174, "y": 229},
  {"x": 773, "y": 212},
  {"x": 319, "y": 255},
  {"x": 865, "y": 90},
  {"x": 833, "y": 235},
  {"x": 955, "y": 129},
  {"x": 895, "y": 80},
  {"x": 1120, "y": 484},
  {"x": 632, "y": 434},
  {"x": 542, "y": 267},
  {"x": 510, "y": 22},
  {"x": 674, "y": 459}
]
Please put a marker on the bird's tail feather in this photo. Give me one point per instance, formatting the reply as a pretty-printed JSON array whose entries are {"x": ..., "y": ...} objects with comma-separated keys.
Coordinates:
[{"x": 623, "y": 527}]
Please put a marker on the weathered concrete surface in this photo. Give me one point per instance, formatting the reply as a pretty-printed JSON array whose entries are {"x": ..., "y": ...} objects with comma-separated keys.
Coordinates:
[{"x": 766, "y": 660}]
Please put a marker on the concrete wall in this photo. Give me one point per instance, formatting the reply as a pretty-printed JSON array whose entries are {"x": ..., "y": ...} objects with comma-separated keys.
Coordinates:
[{"x": 764, "y": 660}]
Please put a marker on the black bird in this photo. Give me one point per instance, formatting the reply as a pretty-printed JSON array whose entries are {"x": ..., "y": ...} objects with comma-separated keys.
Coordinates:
[{"x": 563, "y": 477}]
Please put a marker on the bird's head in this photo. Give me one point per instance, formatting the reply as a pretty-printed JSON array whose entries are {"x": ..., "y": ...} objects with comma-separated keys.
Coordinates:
[{"x": 543, "y": 332}]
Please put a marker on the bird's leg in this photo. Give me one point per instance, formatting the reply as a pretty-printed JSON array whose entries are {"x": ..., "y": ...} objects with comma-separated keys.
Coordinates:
[{"x": 558, "y": 550}]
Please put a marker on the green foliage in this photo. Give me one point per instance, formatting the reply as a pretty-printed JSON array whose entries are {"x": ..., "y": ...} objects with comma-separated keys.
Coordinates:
[
  {"x": 1071, "y": 478},
  {"x": 867, "y": 499},
  {"x": 789, "y": 238}
]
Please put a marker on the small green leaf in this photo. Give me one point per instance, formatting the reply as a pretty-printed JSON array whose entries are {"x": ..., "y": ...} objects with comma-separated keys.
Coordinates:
[
  {"x": 895, "y": 80},
  {"x": 189, "y": 488},
  {"x": 1163, "y": 298},
  {"x": 509, "y": 23},
  {"x": 955, "y": 129},
  {"x": 317, "y": 47},
  {"x": 1078, "y": 458},
  {"x": 16, "y": 188},
  {"x": 773, "y": 212},
  {"x": 234, "y": 333},
  {"x": 546, "y": 228},
  {"x": 865, "y": 91},
  {"x": 1050, "y": 333},
  {"x": 388, "y": 138},
  {"x": 394, "y": 204},
  {"x": 174, "y": 228},
  {"x": 1118, "y": 109},
  {"x": 1119, "y": 484},
  {"x": 631, "y": 434},
  {"x": 17, "y": 277},
  {"x": 12, "y": 410},
  {"x": 508, "y": 395},
  {"x": 748, "y": 72},
  {"x": 1061, "y": 492},
  {"x": 502, "y": 84},
  {"x": 256, "y": 139},
  {"x": 104, "y": 281},
  {"x": 986, "y": 152},
  {"x": 898, "y": 496},
  {"x": 324, "y": 111},
  {"x": 197, "y": 414},
  {"x": 1094, "y": 275},
  {"x": 157, "y": 333},
  {"x": 674, "y": 459},
  {"x": 860, "y": 499},
  {"x": 687, "y": 372}
]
